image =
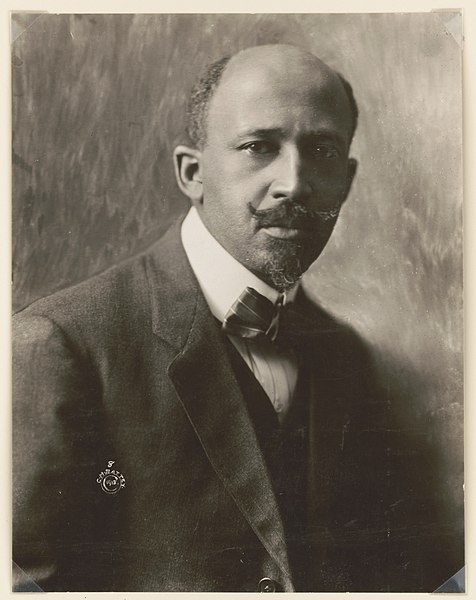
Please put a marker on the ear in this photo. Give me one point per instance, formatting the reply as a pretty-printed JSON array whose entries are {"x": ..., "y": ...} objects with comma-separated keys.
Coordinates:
[
  {"x": 352, "y": 165},
  {"x": 187, "y": 165}
]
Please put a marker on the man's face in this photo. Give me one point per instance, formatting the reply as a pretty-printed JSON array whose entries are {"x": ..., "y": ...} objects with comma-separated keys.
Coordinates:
[{"x": 278, "y": 135}]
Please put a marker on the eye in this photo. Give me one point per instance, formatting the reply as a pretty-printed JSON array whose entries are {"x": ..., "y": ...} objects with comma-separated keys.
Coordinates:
[
  {"x": 323, "y": 152},
  {"x": 260, "y": 147}
]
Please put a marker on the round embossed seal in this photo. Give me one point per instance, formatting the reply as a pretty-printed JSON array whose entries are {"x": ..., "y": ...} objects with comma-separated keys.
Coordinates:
[{"x": 111, "y": 480}]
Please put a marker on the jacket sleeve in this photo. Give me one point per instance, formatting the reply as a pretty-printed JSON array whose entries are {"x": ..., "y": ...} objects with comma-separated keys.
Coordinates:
[{"x": 54, "y": 420}]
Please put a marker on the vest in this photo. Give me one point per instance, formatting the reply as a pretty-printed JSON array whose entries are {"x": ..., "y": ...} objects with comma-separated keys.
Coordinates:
[{"x": 285, "y": 450}]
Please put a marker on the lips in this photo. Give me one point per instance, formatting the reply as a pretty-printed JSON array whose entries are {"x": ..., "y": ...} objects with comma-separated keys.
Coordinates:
[
  {"x": 307, "y": 223},
  {"x": 288, "y": 233}
]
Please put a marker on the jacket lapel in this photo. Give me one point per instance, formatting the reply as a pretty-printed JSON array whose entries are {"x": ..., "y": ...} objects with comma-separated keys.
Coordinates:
[{"x": 210, "y": 395}]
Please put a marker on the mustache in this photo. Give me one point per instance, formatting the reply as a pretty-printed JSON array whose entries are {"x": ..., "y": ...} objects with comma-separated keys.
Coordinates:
[{"x": 292, "y": 215}]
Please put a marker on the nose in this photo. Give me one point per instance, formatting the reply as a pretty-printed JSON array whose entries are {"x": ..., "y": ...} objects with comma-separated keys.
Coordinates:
[{"x": 292, "y": 178}]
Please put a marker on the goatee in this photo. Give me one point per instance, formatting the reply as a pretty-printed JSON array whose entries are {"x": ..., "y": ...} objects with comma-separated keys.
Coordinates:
[{"x": 287, "y": 260}]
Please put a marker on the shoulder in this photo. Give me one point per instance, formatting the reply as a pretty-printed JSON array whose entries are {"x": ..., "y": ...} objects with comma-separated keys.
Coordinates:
[
  {"x": 339, "y": 337},
  {"x": 92, "y": 297},
  {"x": 61, "y": 340},
  {"x": 343, "y": 361},
  {"x": 110, "y": 303}
]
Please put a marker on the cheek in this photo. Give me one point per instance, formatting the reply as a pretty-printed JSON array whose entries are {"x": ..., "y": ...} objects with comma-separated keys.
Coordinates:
[
  {"x": 225, "y": 203},
  {"x": 331, "y": 186},
  {"x": 219, "y": 178},
  {"x": 232, "y": 189}
]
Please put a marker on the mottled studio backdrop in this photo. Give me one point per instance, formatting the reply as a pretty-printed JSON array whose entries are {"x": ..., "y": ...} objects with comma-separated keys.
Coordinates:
[{"x": 98, "y": 104}]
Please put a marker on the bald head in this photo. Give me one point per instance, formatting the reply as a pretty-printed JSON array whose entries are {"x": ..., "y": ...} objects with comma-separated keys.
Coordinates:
[
  {"x": 271, "y": 67},
  {"x": 281, "y": 59}
]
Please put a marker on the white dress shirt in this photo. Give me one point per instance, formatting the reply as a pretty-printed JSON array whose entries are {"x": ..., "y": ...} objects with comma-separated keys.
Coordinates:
[{"x": 222, "y": 279}]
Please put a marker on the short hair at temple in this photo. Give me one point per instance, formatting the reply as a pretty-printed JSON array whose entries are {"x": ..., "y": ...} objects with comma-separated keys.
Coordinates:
[{"x": 204, "y": 88}]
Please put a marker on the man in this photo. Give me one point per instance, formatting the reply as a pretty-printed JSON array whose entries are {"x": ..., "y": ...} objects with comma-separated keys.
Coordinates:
[{"x": 189, "y": 421}]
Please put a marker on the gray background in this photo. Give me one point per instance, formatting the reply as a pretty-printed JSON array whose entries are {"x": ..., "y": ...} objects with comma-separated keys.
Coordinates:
[{"x": 97, "y": 109}]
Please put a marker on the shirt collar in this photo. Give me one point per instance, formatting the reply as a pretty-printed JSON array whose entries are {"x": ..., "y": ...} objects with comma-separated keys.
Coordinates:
[{"x": 221, "y": 277}]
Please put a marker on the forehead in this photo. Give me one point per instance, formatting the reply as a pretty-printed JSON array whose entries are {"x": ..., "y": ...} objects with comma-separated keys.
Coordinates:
[{"x": 295, "y": 98}]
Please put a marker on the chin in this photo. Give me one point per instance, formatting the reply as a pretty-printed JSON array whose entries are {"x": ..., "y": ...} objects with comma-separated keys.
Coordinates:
[{"x": 284, "y": 263}]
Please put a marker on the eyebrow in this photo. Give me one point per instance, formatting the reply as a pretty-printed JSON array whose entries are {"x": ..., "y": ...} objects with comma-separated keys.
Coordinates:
[
  {"x": 280, "y": 132},
  {"x": 262, "y": 132}
]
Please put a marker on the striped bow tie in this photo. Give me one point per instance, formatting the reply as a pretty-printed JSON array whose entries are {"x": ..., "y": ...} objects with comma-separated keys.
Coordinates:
[{"x": 253, "y": 316}]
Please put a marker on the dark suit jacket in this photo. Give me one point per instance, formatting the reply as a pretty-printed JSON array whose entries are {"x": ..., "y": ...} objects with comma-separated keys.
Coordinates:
[{"x": 131, "y": 367}]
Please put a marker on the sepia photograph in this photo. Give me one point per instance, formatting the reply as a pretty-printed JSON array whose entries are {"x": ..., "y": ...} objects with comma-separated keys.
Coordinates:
[{"x": 237, "y": 245}]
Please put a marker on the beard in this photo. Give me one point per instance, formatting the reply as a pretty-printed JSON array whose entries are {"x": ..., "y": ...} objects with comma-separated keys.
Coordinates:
[{"x": 285, "y": 261}]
